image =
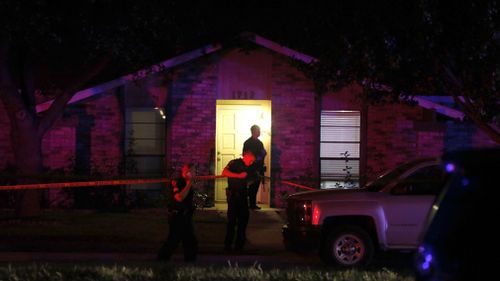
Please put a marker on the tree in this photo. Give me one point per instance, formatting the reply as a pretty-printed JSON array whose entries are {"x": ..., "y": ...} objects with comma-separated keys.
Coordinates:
[
  {"x": 50, "y": 50},
  {"x": 399, "y": 49}
]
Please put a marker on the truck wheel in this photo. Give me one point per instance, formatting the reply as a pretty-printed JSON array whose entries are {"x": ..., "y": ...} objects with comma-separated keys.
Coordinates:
[{"x": 347, "y": 246}]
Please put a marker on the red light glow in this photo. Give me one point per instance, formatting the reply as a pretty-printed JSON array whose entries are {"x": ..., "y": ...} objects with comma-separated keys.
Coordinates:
[{"x": 315, "y": 216}]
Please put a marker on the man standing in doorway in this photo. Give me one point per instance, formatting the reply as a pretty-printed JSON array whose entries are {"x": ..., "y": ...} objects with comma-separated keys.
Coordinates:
[{"x": 256, "y": 171}]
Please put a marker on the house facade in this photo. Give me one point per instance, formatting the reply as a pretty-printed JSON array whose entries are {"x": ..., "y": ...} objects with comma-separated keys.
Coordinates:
[{"x": 199, "y": 107}]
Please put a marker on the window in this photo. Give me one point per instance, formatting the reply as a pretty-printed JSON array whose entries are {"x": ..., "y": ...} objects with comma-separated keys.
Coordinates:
[
  {"x": 145, "y": 144},
  {"x": 339, "y": 148},
  {"x": 425, "y": 181}
]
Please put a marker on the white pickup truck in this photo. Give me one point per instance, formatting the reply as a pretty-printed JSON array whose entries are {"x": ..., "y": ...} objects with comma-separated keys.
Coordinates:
[{"x": 346, "y": 226}]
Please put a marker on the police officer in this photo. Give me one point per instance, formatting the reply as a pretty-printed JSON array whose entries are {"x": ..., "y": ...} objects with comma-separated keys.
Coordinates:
[
  {"x": 257, "y": 169},
  {"x": 180, "y": 218},
  {"x": 237, "y": 200}
]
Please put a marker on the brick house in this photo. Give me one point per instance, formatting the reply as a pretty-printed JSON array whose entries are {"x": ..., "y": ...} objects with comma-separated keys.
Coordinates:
[{"x": 198, "y": 107}]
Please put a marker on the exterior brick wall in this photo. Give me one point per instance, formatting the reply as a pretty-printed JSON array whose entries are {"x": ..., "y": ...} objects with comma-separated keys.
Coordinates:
[
  {"x": 58, "y": 150},
  {"x": 191, "y": 116},
  {"x": 429, "y": 144},
  {"x": 398, "y": 133},
  {"x": 106, "y": 134},
  {"x": 391, "y": 137},
  {"x": 58, "y": 147},
  {"x": 294, "y": 129},
  {"x": 191, "y": 121}
]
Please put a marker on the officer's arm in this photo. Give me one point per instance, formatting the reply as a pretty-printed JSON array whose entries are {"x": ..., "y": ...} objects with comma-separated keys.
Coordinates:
[
  {"x": 261, "y": 155},
  {"x": 227, "y": 173},
  {"x": 180, "y": 196}
]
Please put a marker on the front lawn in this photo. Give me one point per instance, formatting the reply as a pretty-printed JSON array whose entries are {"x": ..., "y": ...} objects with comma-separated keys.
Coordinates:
[{"x": 63, "y": 272}]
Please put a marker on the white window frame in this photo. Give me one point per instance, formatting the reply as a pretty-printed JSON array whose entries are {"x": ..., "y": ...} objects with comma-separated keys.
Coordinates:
[{"x": 340, "y": 132}]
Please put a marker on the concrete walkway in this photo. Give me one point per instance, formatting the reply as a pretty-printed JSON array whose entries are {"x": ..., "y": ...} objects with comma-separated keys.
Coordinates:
[{"x": 263, "y": 231}]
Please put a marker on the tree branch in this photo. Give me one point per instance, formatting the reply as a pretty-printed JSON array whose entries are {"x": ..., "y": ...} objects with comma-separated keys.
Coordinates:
[
  {"x": 27, "y": 82},
  {"x": 8, "y": 89},
  {"x": 470, "y": 110},
  {"x": 64, "y": 96}
]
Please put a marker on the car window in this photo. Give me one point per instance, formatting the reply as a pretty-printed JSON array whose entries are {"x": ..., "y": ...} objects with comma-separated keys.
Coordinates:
[
  {"x": 428, "y": 180},
  {"x": 428, "y": 172},
  {"x": 391, "y": 176}
]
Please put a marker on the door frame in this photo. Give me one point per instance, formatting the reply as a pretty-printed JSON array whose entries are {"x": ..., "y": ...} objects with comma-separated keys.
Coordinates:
[{"x": 264, "y": 193}]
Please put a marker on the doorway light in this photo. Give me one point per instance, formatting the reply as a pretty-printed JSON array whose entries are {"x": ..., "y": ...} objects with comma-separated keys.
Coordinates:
[{"x": 161, "y": 111}]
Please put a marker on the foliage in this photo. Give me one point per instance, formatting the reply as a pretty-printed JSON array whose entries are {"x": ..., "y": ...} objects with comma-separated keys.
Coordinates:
[
  {"x": 396, "y": 50},
  {"x": 66, "y": 36},
  {"x": 348, "y": 182},
  {"x": 282, "y": 199},
  {"x": 171, "y": 272}
]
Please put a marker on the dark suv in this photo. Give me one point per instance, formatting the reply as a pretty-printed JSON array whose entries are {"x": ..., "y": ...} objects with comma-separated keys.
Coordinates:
[{"x": 461, "y": 239}]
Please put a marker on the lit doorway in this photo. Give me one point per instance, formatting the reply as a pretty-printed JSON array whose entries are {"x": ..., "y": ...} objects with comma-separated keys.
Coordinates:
[{"x": 234, "y": 119}]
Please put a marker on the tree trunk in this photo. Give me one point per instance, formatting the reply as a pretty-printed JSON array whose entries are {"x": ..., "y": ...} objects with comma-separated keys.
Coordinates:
[{"x": 26, "y": 143}]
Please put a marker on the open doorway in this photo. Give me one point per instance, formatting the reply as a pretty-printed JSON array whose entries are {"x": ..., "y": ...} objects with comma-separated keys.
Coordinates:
[{"x": 234, "y": 119}]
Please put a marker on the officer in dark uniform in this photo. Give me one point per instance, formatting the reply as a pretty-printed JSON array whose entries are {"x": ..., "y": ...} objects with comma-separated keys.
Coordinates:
[
  {"x": 237, "y": 200},
  {"x": 257, "y": 169},
  {"x": 180, "y": 218}
]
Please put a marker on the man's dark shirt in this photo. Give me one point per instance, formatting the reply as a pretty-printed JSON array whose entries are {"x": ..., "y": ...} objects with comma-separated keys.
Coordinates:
[
  {"x": 237, "y": 166},
  {"x": 257, "y": 149},
  {"x": 187, "y": 203}
]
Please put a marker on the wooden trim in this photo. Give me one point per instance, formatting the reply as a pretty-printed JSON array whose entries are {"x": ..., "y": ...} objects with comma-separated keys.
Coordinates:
[
  {"x": 278, "y": 48},
  {"x": 141, "y": 74},
  {"x": 443, "y": 109}
]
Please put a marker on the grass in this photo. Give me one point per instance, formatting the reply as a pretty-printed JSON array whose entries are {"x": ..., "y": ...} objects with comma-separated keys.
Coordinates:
[{"x": 61, "y": 272}]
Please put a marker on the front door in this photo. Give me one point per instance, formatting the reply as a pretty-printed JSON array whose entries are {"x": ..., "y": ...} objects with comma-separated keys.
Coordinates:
[{"x": 234, "y": 119}]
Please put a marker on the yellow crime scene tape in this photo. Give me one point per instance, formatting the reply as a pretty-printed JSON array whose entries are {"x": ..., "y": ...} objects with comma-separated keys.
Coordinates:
[
  {"x": 92, "y": 183},
  {"x": 118, "y": 182},
  {"x": 298, "y": 185},
  {"x": 79, "y": 184}
]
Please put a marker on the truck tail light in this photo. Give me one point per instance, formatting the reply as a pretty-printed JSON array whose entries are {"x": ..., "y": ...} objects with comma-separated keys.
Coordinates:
[{"x": 315, "y": 215}]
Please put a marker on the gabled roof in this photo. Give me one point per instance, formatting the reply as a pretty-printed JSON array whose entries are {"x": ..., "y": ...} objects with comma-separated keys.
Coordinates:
[
  {"x": 423, "y": 101},
  {"x": 178, "y": 60}
]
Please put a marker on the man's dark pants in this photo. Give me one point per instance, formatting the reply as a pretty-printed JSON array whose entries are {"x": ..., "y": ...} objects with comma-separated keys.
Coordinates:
[
  {"x": 252, "y": 193},
  {"x": 181, "y": 229},
  {"x": 237, "y": 219}
]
